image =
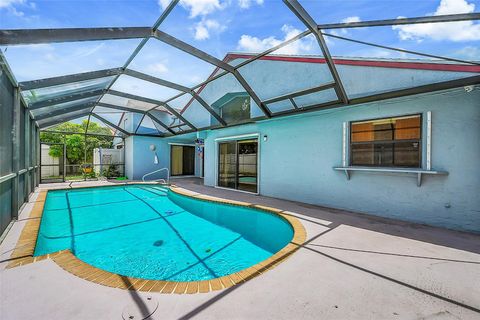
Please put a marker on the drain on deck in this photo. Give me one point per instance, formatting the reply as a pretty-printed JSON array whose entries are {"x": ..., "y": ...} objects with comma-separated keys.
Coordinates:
[{"x": 141, "y": 308}]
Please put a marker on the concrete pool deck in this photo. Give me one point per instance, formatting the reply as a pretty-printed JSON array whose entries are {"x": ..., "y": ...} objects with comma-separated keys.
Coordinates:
[{"x": 352, "y": 266}]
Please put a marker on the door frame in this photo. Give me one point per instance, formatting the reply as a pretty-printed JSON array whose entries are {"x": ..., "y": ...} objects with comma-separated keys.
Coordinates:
[
  {"x": 236, "y": 138},
  {"x": 194, "y": 159}
]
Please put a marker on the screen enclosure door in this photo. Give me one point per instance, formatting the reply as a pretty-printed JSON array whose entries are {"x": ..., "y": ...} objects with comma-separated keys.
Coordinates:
[
  {"x": 182, "y": 160},
  {"x": 237, "y": 165}
]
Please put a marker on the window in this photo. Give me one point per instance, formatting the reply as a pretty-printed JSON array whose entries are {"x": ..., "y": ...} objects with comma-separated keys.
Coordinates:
[
  {"x": 388, "y": 142},
  {"x": 236, "y": 109}
]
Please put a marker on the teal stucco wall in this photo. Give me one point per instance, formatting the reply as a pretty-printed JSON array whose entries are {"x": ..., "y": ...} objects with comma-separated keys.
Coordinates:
[
  {"x": 297, "y": 159},
  {"x": 296, "y": 162}
]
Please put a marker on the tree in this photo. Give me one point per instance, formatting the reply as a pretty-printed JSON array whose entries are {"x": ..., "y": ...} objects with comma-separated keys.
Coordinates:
[{"x": 77, "y": 143}]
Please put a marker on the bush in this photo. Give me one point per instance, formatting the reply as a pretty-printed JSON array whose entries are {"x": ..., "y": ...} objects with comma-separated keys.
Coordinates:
[{"x": 112, "y": 171}]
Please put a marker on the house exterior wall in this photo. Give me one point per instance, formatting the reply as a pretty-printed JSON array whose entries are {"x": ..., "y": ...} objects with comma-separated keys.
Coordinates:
[
  {"x": 297, "y": 160},
  {"x": 139, "y": 159}
]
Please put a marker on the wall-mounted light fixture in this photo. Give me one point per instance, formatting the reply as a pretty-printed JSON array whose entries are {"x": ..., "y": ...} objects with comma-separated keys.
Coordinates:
[{"x": 265, "y": 138}]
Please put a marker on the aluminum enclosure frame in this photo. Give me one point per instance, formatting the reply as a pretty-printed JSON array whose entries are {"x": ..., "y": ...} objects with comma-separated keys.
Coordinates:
[{"x": 25, "y": 36}]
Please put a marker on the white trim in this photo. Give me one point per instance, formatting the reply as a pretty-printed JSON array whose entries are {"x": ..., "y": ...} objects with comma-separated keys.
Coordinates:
[
  {"x": 429, "y": 140},
  {"x": 344, "y": 145},
  {"x": 182, "y": 144},
  {"x": 239, "y": 137},
  {"x": 236, "y": 138}
]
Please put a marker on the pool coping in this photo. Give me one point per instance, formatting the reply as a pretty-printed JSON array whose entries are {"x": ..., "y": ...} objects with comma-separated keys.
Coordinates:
[{"x": 23, "y": 252}]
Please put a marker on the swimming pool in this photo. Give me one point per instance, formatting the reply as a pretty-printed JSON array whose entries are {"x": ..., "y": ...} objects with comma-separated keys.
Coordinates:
[{"x": 150, "y": 232}]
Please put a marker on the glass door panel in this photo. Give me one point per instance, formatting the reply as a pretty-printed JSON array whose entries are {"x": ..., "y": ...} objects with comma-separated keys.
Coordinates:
[
  {"x": 227, "y": 164},
  {"x": 237, "y": 165},
  {"x": 247, "y": 165}
]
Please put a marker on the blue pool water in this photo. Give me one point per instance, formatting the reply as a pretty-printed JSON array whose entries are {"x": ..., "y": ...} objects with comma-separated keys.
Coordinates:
[{"x": 150, "y": 232}]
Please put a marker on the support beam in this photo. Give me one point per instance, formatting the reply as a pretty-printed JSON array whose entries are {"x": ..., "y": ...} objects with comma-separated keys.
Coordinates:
[
  {"x": 252, "y": 94},
  {"x": 402, "y": 21},
  {"x": 152, "y": 101},
  {"x": 139, "y": 123},
  {"x": 35, "y": 36},
  {"x": 300, "y": 12},
  {"x": 66, "y": 110},
  {"x": 326, "y": 86},
  {"x": 185, "y": 47},
  {"x": 142, "y": 43},
  {"x": 434, "y": 87},
  {"x": 88, "y": 134},
  {"x": 175, "y": 86},
  {"x": 152, "y": 79},
  {"x": 271, "y": 50},
  {"x": 110, "y": 124},
  {"x": 208, "y": 108},
  {"x": 174, "y": 42},
  {"x": 120, "y": 108},
  {"x": 16, "y": 145},
  {"x": 158, "y": 121},
  {"x": 400, "y": 50},
  {"x": 71, "y": 78},
  {"x": 65, "y": 119},
  {"x": 468, "y": 81},
  {"x": 65, "y": 98}
]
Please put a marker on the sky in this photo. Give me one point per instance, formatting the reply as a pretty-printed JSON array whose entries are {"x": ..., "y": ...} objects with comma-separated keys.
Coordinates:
[{"x": 221, "y": 26}]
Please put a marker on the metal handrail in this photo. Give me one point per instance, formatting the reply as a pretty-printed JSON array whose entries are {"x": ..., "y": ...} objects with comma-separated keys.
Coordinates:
[{"x": 164, "y": 181}]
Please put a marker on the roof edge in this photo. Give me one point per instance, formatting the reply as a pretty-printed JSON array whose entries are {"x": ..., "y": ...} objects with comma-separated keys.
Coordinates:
[{"x": 365, "y": 62}]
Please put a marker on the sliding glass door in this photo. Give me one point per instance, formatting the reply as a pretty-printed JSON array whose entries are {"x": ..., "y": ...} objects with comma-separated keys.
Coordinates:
[
  {"x": 227, "y": 164},
  {"x": 182, "y": 160},
  {"x": 237, "y": 165}
]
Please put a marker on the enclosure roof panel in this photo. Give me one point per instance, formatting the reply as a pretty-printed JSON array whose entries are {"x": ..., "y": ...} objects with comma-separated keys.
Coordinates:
[{"x": 169, "y": 62}]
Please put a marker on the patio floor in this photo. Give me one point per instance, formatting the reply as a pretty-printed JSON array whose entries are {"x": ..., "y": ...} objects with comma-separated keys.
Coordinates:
[{"x": 353, "y": 266}]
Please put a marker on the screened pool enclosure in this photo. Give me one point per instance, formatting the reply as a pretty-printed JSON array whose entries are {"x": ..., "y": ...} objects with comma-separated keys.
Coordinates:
[{"x": 193, "y": 85}]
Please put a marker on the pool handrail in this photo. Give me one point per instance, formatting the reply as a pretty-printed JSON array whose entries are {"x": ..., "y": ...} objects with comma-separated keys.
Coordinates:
[{"x": 158, "y": 180}]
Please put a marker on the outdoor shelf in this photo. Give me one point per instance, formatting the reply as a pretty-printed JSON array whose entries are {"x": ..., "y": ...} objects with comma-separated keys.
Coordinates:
[{"x": 418, "y": 172}]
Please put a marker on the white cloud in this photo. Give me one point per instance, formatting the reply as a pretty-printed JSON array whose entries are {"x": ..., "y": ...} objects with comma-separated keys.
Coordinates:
[
  {"x": 453, "y": 31},
  {"x": 10, "y": 6},
  {"x": 10, "y": 3},
  {"x": 351, "y": 19},
  {"x": 206, "y": 7},
  {"x": 196, "y": 7},
  {"x": 158, "y": 68},
  {"x": 164, "y": 3},
  {"x": 469, "y": 52},
  {"x": 245, "y": 4},
  {"x": 254, "y": 44},
  {"x": 344, "y": 31},
  {"x": 205, "y": 27}
]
